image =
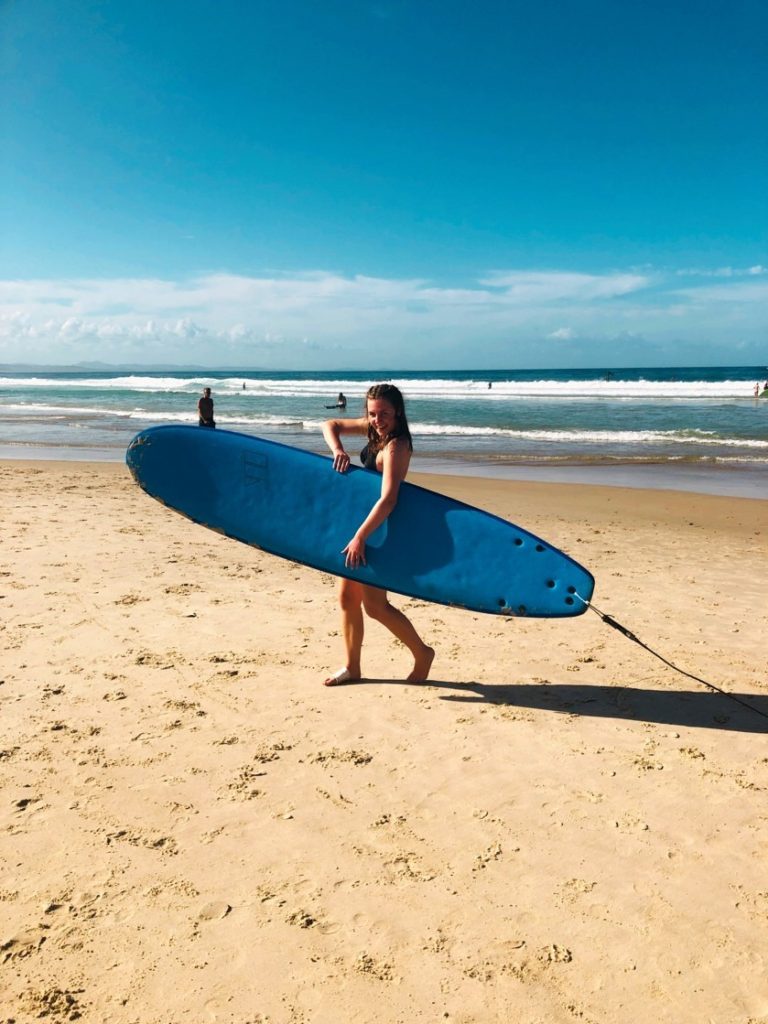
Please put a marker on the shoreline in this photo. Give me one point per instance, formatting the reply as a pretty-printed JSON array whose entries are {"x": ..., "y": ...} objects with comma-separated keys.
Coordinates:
[{"x": 724, "y": 480}]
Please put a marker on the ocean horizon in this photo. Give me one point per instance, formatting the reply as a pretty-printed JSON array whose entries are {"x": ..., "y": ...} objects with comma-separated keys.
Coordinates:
[{"x": 698, "y": 428}]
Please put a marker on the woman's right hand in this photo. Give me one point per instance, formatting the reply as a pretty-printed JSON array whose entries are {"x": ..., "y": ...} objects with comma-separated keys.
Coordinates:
[
  {"x": 341, "y": 461},
  {"x": 354, "y": 553}
]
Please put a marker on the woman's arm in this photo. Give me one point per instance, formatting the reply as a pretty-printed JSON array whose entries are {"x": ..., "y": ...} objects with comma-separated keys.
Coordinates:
[
  {"x": 396, "y": 459},
  {"x": 332, "y": 431}
]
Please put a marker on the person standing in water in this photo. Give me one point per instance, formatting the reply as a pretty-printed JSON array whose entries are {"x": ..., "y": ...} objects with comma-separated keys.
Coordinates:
[
  {"x": 388, "y": 452},
  {"x": 205, "y": 410}
]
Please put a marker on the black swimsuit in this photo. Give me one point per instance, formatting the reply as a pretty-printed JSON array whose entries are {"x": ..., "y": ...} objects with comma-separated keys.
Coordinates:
[{"x": 368, "y": 458}]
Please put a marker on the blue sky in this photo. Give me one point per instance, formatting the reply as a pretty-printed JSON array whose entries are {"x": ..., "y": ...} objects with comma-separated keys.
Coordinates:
[{"x": 417, "y": 185}]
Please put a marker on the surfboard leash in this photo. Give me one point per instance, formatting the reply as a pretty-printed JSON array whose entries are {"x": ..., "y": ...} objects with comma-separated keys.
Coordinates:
[{"x": 610, "y": 621}]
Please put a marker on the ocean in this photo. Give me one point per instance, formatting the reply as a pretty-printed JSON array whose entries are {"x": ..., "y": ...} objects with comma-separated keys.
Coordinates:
[{"x": 697, "y": 428}]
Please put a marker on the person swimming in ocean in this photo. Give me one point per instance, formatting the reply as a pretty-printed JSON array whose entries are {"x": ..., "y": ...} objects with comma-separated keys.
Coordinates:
[{"x": 388, "y": 452}]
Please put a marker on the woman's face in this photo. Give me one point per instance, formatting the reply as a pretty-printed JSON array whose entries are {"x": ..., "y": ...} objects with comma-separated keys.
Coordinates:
[{"x": 382, "y": 416}]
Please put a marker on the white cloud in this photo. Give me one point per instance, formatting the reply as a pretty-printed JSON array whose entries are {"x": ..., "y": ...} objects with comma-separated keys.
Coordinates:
[
  {"x": 740, "y": 292},
  {"x": 238, "y": 306},
  {"x": 722, "y": 271},
  {"x": 555, "y": 286},
  {"x": 217, "y": 317},
  {"x": 317, "y": 299}
]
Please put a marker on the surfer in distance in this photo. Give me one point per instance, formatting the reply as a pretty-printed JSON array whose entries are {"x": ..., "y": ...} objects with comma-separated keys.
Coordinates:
[
  {"x": 388, "y": 451},
  {"x": 205, "y": 410},
  {"x": 340, "y": 403}
]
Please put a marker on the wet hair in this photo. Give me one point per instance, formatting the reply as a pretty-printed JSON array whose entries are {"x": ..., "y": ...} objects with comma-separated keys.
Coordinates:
[{"x": 392, "y": 395}]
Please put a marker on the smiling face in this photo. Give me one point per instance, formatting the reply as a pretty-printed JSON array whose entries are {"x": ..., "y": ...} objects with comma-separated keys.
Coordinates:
[{"x": 381, "y": 416}]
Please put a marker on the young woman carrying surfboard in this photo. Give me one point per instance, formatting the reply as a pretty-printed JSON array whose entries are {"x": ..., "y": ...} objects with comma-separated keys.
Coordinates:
[{"x": 388, "y": 452}]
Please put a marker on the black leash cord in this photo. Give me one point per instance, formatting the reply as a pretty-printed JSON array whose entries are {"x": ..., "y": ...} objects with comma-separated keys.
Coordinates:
[{"x": 610, "y": 621}]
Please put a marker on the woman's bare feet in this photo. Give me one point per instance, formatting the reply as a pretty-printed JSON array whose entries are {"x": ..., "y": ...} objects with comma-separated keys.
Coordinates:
[
  {"x": 422, "y": 665},
  {"x": 340, "y": 677}
]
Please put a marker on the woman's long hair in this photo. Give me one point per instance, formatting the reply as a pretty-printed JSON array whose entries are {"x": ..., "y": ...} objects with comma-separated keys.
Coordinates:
[{"x": 392, "y": 395}]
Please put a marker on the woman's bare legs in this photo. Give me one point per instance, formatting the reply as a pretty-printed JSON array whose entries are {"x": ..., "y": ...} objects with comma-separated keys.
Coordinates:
[
  {"x": 353, "y": 598},
  {"x": 352, "y": 627},
  {"x": 376, "y": 604}
]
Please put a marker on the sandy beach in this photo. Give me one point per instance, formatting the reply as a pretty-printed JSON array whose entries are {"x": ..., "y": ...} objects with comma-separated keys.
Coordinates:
[{"x": 557, "y": 827}]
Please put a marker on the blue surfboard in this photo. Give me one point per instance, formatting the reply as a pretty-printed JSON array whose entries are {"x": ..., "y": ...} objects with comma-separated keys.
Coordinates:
[{"x": 293, "y": 503}]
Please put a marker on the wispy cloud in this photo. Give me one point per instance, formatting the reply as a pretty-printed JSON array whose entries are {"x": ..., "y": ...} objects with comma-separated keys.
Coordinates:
[
  {"x": 229, "y": 316},
  {"x": 309, "y": 290},
  {"x": 741, "y": 292},
  {"x": 754, "y": 271},
  {"x": 523, "y": 286}
]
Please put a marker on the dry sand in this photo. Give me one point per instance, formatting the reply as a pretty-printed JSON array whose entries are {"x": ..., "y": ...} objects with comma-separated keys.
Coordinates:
[{"x": 557, "y": 828}]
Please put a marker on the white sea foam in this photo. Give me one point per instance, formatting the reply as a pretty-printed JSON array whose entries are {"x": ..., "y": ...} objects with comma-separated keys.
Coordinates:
[
  {"x": 63, "y": 410},
  {"x": 602, "y": 437},
  {"x": 416, "y": 389},
  {"x": 469, "y": 389},
  {"x": 265, "y": 421},
  {"x": 242, "y": 420},
  {"x": 131, "y": 383}
]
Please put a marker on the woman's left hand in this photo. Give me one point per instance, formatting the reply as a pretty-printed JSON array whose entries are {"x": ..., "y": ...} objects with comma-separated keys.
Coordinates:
[
  {"x": 354, "y": 553},
  {"x": 341, "y": 461}
]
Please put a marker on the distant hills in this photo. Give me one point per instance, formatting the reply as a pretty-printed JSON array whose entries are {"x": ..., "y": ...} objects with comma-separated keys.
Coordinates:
[{"x": 98, "y": 367}]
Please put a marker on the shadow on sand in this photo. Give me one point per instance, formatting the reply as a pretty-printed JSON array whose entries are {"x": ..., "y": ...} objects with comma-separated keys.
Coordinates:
[{"x": 702, "y": 709}]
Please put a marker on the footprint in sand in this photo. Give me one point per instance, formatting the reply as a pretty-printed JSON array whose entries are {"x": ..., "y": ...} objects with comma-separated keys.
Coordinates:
[
  {"x": 381, "y": 970},
  {"x": 23, "y": 944},
  {"x": 215, "y": 911}
]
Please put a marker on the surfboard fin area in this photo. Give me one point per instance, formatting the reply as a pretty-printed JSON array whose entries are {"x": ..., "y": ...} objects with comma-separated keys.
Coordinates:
[{"x": 291, "y": 503}]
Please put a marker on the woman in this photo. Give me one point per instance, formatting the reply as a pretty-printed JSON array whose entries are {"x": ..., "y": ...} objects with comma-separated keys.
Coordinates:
[{"x": 388, "y": 452}]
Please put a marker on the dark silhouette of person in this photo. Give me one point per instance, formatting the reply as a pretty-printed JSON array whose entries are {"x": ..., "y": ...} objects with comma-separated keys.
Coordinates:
[{"x": 205, "y": 409}]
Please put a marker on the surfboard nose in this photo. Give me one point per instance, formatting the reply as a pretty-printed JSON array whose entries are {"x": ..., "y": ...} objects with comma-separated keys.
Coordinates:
[{"x": 133, "y": 454}]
